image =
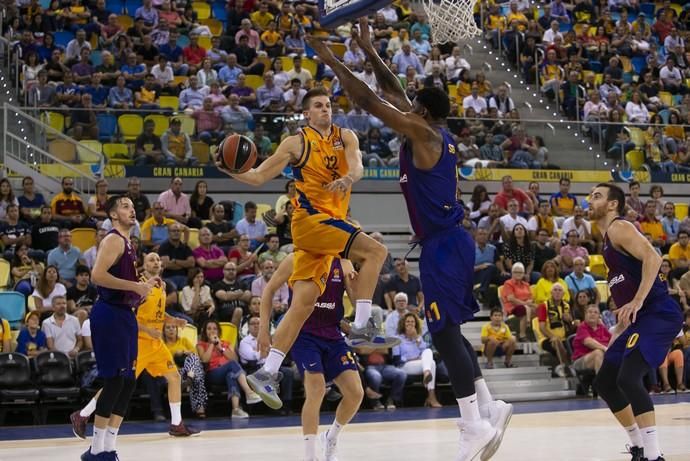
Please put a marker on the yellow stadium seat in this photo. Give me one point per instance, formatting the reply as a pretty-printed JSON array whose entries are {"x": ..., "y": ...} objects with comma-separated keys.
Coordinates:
[
  {"x": 83, "y": 238},
  {"x": 603, "y": 289},
  {"x": 188, "y": 123},
  {"x": 637, "y": 136},
  {"x": 228, "y": 333},
  {"x": 214, "y": 25},
  {"x": 200, "y": 150},
  {"x": 161, "y": 122},
  {"x": 31, "y": 303},
  {"x": 666, "y": 98},
  {"x": 310, "y": 65},
  {"x": 125, "y": 21},
  {"x": 202, "y": 10},
  {"x": 205, "y": 42},
  {"x": 193, "y": 241},
  {"x": 5, "y": 279},
  {"x": 626, "y": 64},
  {"x": 56, "y": 122},
  {"x": 597, "y": 266},
  {"x": 254, "y": 81},
  {"x": 189, "y": 332},
  {"x": 262, "y": 208},
  {"x": 598, "y": 79},
  {"x": 635, "y": 159},
  {"x": 117, "y": 154},
  {"x": 266, "y": 61},
  {"x": 130, "y": 125},
  {"x": 14, "y": 334},
  {"x": 180, "y": 80},
  {"x": 89, "y": 151},
  {"x": 63, "y": 150},
  {"x": 681, "y": 210},
  {"x": 338, "y": 49},
  {"x": 169, "y": 102},
  {"x": 287, "y": 63},
  {"x": 453, "y": 91}
]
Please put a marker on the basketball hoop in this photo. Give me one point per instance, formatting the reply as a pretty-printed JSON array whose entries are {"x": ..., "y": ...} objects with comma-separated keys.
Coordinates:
[{"x": 451, "y": 20}]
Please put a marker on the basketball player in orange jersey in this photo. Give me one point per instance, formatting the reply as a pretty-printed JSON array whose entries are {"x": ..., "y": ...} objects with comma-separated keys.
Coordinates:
[{"x": 326, "y": 162}]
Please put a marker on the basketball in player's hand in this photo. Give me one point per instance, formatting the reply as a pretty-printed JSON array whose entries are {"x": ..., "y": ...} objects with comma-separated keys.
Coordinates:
[{"x": 237, "y": 154}]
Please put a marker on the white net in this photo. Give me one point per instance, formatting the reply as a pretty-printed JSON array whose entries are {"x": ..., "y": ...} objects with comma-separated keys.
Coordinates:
[{"x": 451, "y": 20}]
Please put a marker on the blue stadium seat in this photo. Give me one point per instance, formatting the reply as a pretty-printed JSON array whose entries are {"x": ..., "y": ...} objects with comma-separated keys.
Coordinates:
[
  {"x": 648, "y": 9},
  {"x": 96, "y": 58},
  {"x": 565, "y": 27},
  {"x": 665, "y": 115},
  {"x": 131, "y": 6},
  {"x": 219, "y": 12},
  {"x": 12, "y": 307},
  {"x": 596, "y": 67},
  {"x": 639, "y": 63},
  {"x": 107, "y": 125},
  {"x": 182, "y": 41},
  {"x": 63, "y": 37}
]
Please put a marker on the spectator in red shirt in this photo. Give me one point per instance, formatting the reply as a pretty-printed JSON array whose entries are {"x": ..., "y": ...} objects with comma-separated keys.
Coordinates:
[
  {"x": 591, "y": 341},
  {"x": 246, "y": 261},
  {"x": 209, "y": 125},
  {"x": 518, "y": 300},
  {"x": 510, "y": 192},
  {"x": 193, "y": 54}
]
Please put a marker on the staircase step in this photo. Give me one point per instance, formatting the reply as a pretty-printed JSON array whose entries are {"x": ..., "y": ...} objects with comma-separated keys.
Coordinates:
[
  {"x": 520, "y": 373},
  {"x": 529, "y": 385},
  {"x": 533, "y": 396}
]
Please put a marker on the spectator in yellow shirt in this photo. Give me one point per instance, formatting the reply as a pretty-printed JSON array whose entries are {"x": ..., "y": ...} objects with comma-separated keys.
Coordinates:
[
  {"x": 679, "y": 253},
  {"x": 652, "y": 226},
  {"x": 497, "y": 340},
  {"x": 517, "y": 16},
  {"x": 262, "y": 18},
  {"x": 154, "y": 230}
]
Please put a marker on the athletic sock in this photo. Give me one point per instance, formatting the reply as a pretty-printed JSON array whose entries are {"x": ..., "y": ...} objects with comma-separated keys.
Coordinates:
[
  {"x": 469, "y": 409},
  {"x": 483, "y": 397},
  {"x": 651, "y": 443},
  {"x": 310, "y": 447},
  {"x": 98, "y": 440},
  {"x": 334, "y": 430},
  {"x": 635, "y": 435},
  {"x": 273, "y": 361},
  {"x": 362, "y": 312},
  {"x": 175, "y": 413},
  {"x": 89, "y": 408},
  {"x": 110, "y": 438}
]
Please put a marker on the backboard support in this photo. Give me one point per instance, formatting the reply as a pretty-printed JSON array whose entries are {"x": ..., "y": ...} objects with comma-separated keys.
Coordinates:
[{"x": 337, "y": 12}]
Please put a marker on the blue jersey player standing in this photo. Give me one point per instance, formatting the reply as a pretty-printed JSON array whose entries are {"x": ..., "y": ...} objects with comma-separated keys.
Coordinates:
[
  {"x": 648, "y": 321},
  {"x": 321, "y": 355},
  {"x": 428, "y": 179},
  {"x": 114, "y": 326}
]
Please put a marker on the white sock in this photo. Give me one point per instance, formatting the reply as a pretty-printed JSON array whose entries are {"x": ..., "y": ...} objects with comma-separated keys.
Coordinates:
[
  {"x": 310, "y": 447},
  {"x": 98, "y": 440},
  {"x": 110, "y": 438},
  {"x": 334, "y": 430},
  {"x": 635, "y": 435},
  {"x": 175, "y": 413},
  {"x": 362, "y": 312},
  {"x": 651, "y": 443},
  {"x": 483, "y": 397},
  {"x": 273, "y": 361},
  {"x": 89, "y": 408},
  {"x": 469, "y": 409}
]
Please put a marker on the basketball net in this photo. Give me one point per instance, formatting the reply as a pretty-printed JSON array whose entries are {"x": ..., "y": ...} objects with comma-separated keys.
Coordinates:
[{"x": 451, "y": 20}]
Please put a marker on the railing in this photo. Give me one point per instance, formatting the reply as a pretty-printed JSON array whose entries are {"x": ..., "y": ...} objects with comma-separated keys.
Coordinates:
[{"x": 34, "y": 148}]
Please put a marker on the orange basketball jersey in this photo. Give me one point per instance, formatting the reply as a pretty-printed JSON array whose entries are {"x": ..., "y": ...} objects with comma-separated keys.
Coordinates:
[
  {"x": 322, "y": 162},
  {"x": 151, "y": 312}
]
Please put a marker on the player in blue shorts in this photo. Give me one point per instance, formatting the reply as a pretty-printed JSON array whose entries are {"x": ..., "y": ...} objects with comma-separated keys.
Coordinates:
[
  {"x": 321, "y": 354},
  {"x": 648, "y": 321},
  {"x": 114, "y": 329},
  {"x": 428, "y": 178}
]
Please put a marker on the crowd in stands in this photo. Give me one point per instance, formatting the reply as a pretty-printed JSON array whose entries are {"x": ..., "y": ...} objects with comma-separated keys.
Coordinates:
[
  {"x": 195, "y": 73},
  {"x": 619, "y": 66}
]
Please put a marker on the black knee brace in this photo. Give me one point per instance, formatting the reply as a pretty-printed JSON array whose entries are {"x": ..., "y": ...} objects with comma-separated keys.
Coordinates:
[
  {"x": 606, "y": 385},
  {"x": 631, "y": 382},
  {"x": 109, "y": 395},
  {"x": 449, "y": 343},
  {"x": 120, "y": 408},
  {"x": 473, "y": 356}
]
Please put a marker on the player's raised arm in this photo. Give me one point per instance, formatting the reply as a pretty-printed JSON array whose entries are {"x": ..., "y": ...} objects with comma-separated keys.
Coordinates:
[
  {"x": 288, "y": 151},
  {"x": 408, "y": 123},
  {"x": 390, "y": 85},
  {"x": 279, "y": 277},
  {"x": 628, "y": 239}
]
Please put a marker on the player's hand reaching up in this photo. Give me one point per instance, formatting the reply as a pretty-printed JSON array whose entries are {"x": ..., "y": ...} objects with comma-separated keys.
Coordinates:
[
  {"x": 362, "y": 35},
  {"x": 263, "y": 343}
]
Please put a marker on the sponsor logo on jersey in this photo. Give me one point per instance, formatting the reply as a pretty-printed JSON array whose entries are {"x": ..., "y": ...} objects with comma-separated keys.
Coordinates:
[
  {"x": 336, "y": 276},
  {"x": 620, "y": 278},
  {"x": 329, "y": 306}
]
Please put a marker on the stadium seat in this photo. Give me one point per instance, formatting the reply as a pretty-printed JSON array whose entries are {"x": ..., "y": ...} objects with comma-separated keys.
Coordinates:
[
  {"x": 161, "y": 123},
  {"x": 117, "y": 154},
  {"x": 5, "y": 275},
  {"x": 63, "y": 37},
  {"x": 130, "y": 125},
  {"x": 338, "y": 49},
  {"x": 603, "y": 289},
  {"x": 666, "y": 98},
  {"x": 189, "y": 332},
  {"x": 681, "y": 210},
  {"x": 214, "y": 25},
  {"x": 635, "y": 159},
  {"x": 310, "y": 65},
  {"x": 180, "y": 80},
  {"x": 169, "y": 102},
  {"x": 637, "y": 137},
  {"x": 205, "y": 42},
  {"x": 125, "y": 21},
  {"x": 107, "y": 127},
  {"x": 17, "y": 391},
  {"x": 63, "y": 150},
  {"x": 56, "y": 121},
  {"x": 56, "y": 382},
  {"x": 219, "y": 12},
  {"x": 83, "y": 238},
  {"x": 639, "y": 63},
  {"x": 188, "y": 124},
  {"x": 12, "y": 307},
  {"x": 89, "y": 151},
  {"x": 287, "y": 63},
  {"x": 262, "y": 208},
  {"x": 200, "y": 150},
  {"x": 84, "y": 363},
  {"x": 183, "y": 41},
  {"x": 597, "y": 266},
  {"x": 238, "y": 212},
  {"x": 202, "y": 10},
  {"x": 665, "y": 114},
  {"x": 228, "y": 333},
  {"x": 131, "y": 7},
  {"x": 96, "y": 58},
  {"x": 254, "y": 81},
  {"x": 193, "y": 241},
  {"x": 648, "y": 9}
]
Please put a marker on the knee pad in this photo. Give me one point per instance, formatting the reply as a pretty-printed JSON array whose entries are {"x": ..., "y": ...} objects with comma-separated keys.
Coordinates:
[
  {"x": 120, "y": 408},
  {"x": 109, "y": 395}
]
